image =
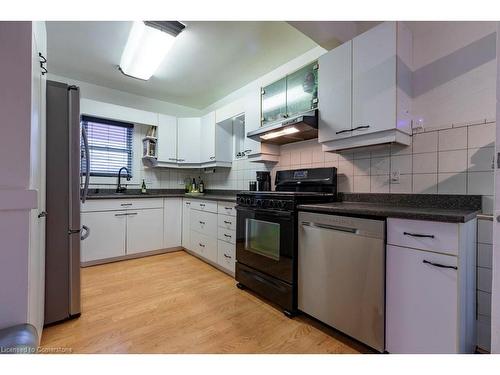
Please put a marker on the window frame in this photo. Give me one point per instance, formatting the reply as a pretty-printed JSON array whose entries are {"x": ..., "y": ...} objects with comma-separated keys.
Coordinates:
[{"x": 84, "y": 120}]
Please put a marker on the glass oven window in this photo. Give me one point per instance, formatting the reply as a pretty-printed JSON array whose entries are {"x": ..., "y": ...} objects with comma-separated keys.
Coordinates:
[{"x": 263, "y": 238}]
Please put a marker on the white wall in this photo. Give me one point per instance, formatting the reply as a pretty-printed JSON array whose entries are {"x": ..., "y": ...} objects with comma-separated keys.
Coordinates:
[{"x": 16, "y": 199}]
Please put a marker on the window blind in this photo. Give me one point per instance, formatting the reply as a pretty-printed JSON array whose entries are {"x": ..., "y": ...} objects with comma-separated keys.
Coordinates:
[{"x": 110, "y": 146}]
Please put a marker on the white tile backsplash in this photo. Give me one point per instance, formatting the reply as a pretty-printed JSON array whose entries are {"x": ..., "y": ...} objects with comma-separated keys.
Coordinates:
[
  {"x": 361, "y": 184},
  {"x": 481, "y": 135},
  {"x": 425, "y": 183},
  {"x": 361, "y": 167},
  {"x": 401, "y": 164},
  {"x": 425, "y": 142},
  {"x": 452, "y": 139},
  {"x": 380, "y": 166},
  {"x": 425, "y": 163},
  {"x": 480, "y": 159},
  {"x": 480, "y": 183},
  {"x": 452, "y": 183},
  {"x": 452, "y": 161}
]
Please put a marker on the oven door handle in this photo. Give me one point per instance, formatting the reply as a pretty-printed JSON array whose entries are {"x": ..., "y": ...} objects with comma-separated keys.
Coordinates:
[{"x": 276, "y": 213}]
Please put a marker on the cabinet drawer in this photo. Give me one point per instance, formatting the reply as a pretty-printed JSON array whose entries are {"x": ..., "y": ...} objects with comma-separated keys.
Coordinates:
[
  {"x": 204, "y": 246},
  {"x": 425, "y": 235},
  {"x": 421, "y": 302},
  {"x": 204, "y": 222},
  {"x": 226, "y": 208},
  {"x": 204, "y": 205},
  {"x": 227, "y": 235},
  {"x": 121, "y": 204},
  {"x": 226, "y": 255},
  {"x": 227, "y": 222}
]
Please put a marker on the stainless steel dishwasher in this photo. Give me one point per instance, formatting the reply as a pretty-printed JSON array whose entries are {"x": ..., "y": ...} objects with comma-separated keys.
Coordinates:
[{"x": 341, "y": 274}]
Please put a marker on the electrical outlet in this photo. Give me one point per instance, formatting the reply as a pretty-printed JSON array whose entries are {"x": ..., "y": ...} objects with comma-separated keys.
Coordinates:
[{"x": 395, "y": 177}]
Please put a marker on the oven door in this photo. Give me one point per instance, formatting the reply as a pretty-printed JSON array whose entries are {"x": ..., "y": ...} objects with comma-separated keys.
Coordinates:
[{"x": 265, "y": 241}]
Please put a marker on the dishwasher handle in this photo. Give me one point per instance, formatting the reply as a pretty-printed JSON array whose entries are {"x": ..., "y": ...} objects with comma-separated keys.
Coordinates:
[{"x": 330, "y": 227}]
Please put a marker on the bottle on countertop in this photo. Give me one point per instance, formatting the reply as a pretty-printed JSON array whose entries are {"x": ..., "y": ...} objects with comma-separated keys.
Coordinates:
[
  {"x": 143, "y": 187},
  {"x": 201, "y": 186},
  {"x": 193, "y": 185}
]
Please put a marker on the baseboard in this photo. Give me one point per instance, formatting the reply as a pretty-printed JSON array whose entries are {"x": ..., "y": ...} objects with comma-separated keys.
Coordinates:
[{"x": 130, "y": 256}]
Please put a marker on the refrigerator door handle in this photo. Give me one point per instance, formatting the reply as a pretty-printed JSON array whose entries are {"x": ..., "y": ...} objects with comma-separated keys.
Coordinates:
[
  {"x": 87, "y": 164},
  {"x": 86, "y": 234}
]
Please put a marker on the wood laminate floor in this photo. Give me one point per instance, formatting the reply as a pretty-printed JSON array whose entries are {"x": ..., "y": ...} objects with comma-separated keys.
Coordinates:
[{"x": 176, "y": 303}]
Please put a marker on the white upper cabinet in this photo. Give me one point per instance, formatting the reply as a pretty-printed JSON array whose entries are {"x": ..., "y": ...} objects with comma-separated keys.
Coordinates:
[
  {"x": 208, "y": 137},
  {"x": 374, "y": 79},
  {"x": 335, "y": 91},
  {"x": 256, "y": 151},
  {"x": 364, "y": 90},
  {"x": 188, "y": 140},
  {"x": 167, "y": 138}
]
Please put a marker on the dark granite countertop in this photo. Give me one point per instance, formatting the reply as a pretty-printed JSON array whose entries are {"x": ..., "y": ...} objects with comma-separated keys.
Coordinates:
[
  {"x": 446, "y": 208},
  {"x": 214, "y": 195}
]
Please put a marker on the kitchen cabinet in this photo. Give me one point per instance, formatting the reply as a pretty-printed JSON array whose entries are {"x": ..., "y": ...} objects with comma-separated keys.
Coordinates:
[
  {"x": 217, "y": 142},
  {"x": 108, "y": 233},
  {"x": 208, "y": 231},
  {"x": 257, "y": 151},
  {"x": 144, "y": 230},
  {"x": 186, "y": 224},
  {"x": 364, "y": 90},
  {"x": 208, "y": 137},
  {"x": 188, "y": 140},
  {"x": 172, "y": 222},
  {"x": 430, "y": 287},
  {"x": 167, "y": 139},
  {"x": 422, "y": 302}
]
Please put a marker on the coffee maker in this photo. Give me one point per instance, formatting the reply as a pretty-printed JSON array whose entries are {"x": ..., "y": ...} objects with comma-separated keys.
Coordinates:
[{"x": 263, "y": 181}]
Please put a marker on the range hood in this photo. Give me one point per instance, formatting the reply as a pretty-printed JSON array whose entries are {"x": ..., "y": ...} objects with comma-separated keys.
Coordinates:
[{"x": 298, "y": 128}]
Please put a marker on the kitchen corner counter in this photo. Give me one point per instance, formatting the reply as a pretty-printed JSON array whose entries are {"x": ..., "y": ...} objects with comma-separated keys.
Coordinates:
[
  {"x": 444, "y": 208},
  {"x": 218, "y": 195}
]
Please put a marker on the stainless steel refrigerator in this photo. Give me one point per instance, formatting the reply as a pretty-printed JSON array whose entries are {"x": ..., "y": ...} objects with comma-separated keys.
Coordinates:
[{"x": 64, "y": 179}]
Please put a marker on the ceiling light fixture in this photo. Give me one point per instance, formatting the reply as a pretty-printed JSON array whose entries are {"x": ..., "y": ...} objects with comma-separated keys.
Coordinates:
[
  {"x": 279, "y": 133},
  {"x": 147, "y": 46}
]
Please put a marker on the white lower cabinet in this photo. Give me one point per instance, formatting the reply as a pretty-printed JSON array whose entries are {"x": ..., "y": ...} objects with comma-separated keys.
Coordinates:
[
  {"x": 172, "y": 222},
  {"x": 204, "y": 246},
  {"x": 144, "y": 230},
  {"x": 226, "y": 254},
  {"x": 430, "y": 287},
  {"x": 107, "y": 236},
  {"x": 422, "y": 302},
  {"x": 209, "y": 231}
]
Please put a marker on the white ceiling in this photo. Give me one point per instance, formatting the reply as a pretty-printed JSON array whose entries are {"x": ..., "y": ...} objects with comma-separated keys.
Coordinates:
[{"x": 208, "y": 61}]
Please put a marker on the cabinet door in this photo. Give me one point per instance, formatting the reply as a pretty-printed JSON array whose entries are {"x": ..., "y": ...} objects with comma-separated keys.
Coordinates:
[
  {"x": 107, "y": 235},
  {"x": 167, "y": 138},
  {"x": 421, "y": 302},
  {"x": 186, "y": 224},
  {"x": 208, "y": 138},
  {"x": 188, "y": 140},
  {"x": 374, "y": 79},
  {"x": 334, "y": 93},
  {"x": 144, "y": 230},
  {"x": 172, "y": 218},
  {"x": 252, "y": 121},
  {"x": 226, "y": 255}
]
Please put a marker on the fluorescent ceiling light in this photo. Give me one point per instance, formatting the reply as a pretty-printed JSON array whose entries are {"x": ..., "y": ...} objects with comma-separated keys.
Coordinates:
[
  {"x": 145, "y": 50},
  {"x": 279, "y": 133}
]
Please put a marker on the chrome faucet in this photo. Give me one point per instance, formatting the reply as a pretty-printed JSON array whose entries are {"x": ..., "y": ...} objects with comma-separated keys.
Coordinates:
[{"x": 119, "y": 187}]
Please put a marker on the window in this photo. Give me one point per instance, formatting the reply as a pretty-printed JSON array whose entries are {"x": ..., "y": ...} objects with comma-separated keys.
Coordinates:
[{"x": 110, "y": 146}]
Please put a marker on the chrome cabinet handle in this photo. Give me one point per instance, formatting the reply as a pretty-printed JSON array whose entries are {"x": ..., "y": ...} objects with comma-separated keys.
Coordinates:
[
  {"x": 181, "y": 159},
  {"x": 42, "y": 214},
  {"x": 173, "y": 159},
  {"x": 328, "y": 226},
  {"x": 202, "y": 222},
  {"x": 188, "y": 203},
  {"x": 361, "y": 127},
  {"x": 418, "y": 235},
  {"x": 202, "y": 204},
  {"x": 226, "y": 256},
  {"x": 132, "y": 214},
  {"x": 227, "y": 235},
  {"x": 227, "y": 222},
  {"x": 201, "y": 244},
  {"x": 212, "y": 157},
  {"x": 439, "y": 265},
  {"x": 247, "y": 151},
  {"x": 121, "y": 214},
  {"x": 126, "y": 204}
]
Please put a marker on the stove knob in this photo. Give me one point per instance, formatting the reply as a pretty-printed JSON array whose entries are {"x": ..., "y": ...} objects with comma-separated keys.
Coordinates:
[
  {"x": 248, "y": 201},
  {"x": 282, "y": 204},
  {"x": 258, "y": 202},
  {"x": 273, "y": 204}
]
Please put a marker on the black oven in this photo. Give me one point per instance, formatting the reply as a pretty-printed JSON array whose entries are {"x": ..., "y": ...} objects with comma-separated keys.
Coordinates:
[
  {"x": 266, "y": 232},
  {"x": 265, "y": 240}
]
